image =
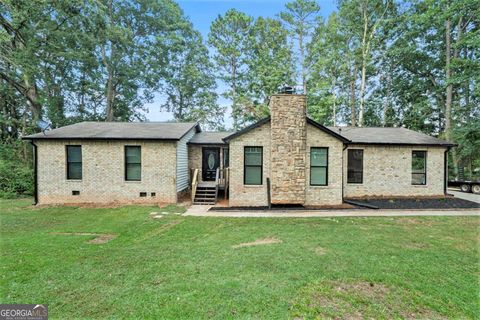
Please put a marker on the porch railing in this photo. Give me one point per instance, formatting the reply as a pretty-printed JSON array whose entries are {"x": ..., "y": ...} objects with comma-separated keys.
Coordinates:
[
  {"x": 222, "y": 179},
  {"x": 194, "y": 183},
  {"x": 217, "y": 180}
]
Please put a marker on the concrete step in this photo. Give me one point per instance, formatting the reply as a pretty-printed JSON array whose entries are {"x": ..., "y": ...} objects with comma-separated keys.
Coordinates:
[
  {"x": 199, "y": 201},
  {"x": 204, "y": 199},
  {"x": 209, "y": 193}
]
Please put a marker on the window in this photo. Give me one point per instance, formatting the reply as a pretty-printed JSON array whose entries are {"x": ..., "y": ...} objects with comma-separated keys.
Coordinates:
[
  {"x": 253, "y": 161},
  {"x": 74, "y": 162},
  {"x": 133, "y": 163},
  {"x": 419, "y": 167},
  {"x": 355, "y": 166},
  {"x": 318, "y": 166}
]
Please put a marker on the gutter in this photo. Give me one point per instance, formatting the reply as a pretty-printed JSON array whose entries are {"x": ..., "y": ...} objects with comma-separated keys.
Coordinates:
[
  {"x": 445, "y": 170},
  {"x": 35, "y": 172},
  {"x": 345, "y": 146}
]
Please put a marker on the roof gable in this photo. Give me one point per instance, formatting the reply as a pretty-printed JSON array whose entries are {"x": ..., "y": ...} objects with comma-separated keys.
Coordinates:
[
  {"x": 267, "y": 119},
  {"x": 247, "y": 129}
]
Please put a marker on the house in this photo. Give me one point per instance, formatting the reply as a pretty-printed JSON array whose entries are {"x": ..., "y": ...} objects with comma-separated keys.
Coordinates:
[{"x": 286, "y": 158}]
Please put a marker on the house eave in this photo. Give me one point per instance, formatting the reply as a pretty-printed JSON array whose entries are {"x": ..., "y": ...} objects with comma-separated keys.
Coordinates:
[
  {"x": 450, "y": 145},
  {"x": 46, "y": 138}
]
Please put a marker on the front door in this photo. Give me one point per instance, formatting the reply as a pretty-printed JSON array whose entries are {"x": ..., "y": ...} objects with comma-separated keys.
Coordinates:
[{"x": 210, "y": 163}]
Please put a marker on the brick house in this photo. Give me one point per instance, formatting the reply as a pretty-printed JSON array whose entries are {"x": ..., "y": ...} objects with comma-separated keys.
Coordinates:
[{"x": 286, "y": 158}]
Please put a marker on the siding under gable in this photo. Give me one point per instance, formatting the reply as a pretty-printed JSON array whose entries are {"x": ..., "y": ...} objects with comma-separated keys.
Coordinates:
[{"x": 182, "y": 161}]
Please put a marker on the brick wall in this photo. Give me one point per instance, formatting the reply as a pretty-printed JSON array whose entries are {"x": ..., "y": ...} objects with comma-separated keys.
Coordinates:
[
  {"x": 195, "y": 159},
  {"x": 248, "y": 195},
  {"x": 288, "y": 148},
  {"x": 387, "y": 172},
  {"x": 330, "y": 194},
  {"x": 103, "y": 179}
]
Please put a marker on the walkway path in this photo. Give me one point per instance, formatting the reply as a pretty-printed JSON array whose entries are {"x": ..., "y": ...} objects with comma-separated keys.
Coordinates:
[
  {"x": 466, "y": 196},
  {"x": 202, "y": 211}
]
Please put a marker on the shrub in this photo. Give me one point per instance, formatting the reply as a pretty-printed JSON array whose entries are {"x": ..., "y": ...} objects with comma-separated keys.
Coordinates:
[{"x": 16, "y": 172}]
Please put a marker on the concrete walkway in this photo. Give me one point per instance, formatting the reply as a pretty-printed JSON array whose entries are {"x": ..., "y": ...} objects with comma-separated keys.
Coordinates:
[
  {"x": 202, "y": 211},
  {"x": 466, "y": 196}
]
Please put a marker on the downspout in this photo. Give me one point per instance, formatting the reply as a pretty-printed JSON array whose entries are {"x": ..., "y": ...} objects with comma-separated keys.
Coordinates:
[
  {"x": 445, "y": 170},
  {"x": 35, "y": 170},
  {"x": 345, "y": 146}
]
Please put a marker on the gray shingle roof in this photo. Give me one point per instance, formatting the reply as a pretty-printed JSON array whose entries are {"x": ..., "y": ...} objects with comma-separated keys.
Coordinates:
[
  {"x": 119, "y": 130},
  {"x": 210, "y": 137},
  {"x": 395, "y": 136}
]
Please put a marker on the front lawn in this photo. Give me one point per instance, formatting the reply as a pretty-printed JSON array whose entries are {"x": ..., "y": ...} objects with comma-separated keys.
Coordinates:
[{"x": 190, "y": 267}]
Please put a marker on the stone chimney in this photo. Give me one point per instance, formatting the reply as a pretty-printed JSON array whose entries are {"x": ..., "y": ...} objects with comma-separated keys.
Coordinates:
[{"x": 288, "y": 148}]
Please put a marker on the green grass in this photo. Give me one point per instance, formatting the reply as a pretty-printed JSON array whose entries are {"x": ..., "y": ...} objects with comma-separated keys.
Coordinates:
[{"x": 185, "y": 267}]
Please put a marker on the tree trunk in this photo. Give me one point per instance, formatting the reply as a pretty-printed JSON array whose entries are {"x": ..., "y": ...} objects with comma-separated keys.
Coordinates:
[
  {"x": 110, "y": 85},
  {"x": 110, "y": 97},
  {"x": 234, "y": 95},
  {"x": 334, "y": 104},
  {"x": 364, "y": 69},
  {"x": 352, "y": 95},
  {"x": 449, "y": 93},
  {"x": 32, "y": 97},
  {"x": 302, "y": 63}
]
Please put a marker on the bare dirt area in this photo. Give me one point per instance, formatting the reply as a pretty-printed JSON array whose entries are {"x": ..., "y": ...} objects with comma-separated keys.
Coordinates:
[
  {"x": 356, "y": 300},
  {"x": 258, "y": 242},
  {"x": 320, "y": 251},
  {"x": 100, "y": 238}
]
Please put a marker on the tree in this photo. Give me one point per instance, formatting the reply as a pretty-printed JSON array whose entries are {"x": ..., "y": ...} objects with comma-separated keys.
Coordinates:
[
  {"x": 269, "y": 65},
  {"x": 228, "y": 35},
  {"x": 326, "y": 55},
  {"x": 32, "y": 33},
  {"x": 134, "y": 44},
  {"x": 190, "y": 84},
  {"x": 300, "y": 17},
  {"x": 364, "y": 18}
]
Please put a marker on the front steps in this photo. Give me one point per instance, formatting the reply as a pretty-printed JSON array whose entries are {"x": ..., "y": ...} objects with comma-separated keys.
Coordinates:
[{"x": 206, "y": 194}]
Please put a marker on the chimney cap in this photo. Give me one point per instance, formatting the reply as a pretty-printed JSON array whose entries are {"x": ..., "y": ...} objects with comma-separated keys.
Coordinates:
[{"x": 286, "y": 89}]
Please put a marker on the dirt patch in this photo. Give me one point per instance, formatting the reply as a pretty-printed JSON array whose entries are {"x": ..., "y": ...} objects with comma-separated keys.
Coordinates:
[
  {"x": 320, "y": 251},
  {"x": 365, "y": 289},
  {"x": 357, "y": 300},
  {"x": 416, "y": 245},
  {"x": 100, "y": 238},
  {"x": 408, "y": 221},
  {"x": 104, "y": 238},
  {"x": 258, "y": 242}
]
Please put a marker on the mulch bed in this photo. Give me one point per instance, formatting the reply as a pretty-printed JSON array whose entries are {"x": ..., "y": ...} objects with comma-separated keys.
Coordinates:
[
  {"x": 381, "y": 203},
  {"x": 420, "y": 203}
]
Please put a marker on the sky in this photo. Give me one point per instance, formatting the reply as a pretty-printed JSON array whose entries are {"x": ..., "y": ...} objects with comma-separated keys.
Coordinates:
[{"x": 203, "y": 12}]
